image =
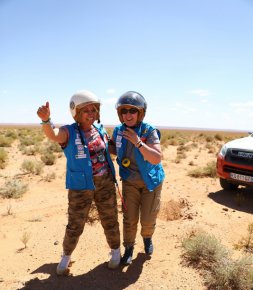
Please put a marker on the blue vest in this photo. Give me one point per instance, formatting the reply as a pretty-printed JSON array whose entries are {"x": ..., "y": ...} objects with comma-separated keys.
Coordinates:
[
  {"x": 152, "y": 174},
  {"x": 79, "y": 167}
]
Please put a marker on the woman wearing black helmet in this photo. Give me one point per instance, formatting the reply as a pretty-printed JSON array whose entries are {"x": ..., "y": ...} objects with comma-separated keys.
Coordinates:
[{"x": 139, "y": 158}]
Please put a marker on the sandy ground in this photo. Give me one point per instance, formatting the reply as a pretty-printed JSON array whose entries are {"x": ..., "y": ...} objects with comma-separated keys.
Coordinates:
[{"x": 41, "y": 213}]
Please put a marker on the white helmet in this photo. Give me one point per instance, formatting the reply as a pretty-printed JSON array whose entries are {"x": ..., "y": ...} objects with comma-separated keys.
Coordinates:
[{"x": 81, "y": 99}]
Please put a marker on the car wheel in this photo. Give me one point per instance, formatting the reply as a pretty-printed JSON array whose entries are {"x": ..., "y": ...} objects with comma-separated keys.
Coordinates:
[{"x": 228, "y": 185}]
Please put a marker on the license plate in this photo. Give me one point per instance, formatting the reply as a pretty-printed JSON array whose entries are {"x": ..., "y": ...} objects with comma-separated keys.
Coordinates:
[{"x": 241, "y": 177}]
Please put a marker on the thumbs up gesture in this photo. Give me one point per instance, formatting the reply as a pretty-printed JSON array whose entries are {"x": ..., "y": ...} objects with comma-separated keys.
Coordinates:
[{"x": 44, "y": 112}]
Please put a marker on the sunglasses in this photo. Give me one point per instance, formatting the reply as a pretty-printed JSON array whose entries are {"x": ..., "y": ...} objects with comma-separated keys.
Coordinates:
[{"x": 131, "y": 111}]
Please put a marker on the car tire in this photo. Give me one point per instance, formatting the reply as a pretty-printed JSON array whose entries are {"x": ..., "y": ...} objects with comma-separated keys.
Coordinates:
[{"x": 228, "y": 185}]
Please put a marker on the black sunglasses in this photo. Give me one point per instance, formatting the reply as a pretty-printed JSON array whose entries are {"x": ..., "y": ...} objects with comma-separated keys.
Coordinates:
[{"x": 131, "y": 111}]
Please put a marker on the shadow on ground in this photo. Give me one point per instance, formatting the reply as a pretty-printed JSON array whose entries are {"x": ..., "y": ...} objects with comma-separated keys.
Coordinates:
[
  {"x": 98, "y": 278},
  {"x": 240, "y": 199}
]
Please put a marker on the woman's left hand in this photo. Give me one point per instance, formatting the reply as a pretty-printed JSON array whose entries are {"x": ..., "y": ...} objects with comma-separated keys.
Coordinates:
[{"x": 131, "y": 136}]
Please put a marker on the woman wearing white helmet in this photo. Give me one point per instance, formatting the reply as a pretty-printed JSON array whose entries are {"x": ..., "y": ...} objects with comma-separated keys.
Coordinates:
[
  {"x": 139, "y": 158},
  {"x": 90, "y": 174}
]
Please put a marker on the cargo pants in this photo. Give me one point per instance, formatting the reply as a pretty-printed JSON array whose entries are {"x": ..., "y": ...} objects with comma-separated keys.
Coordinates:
[
  {"x": 79, "y": 205},
  {"x": 141, "y": 204}
]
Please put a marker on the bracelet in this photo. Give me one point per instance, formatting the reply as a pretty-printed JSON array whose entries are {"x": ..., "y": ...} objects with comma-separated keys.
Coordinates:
[
  {"x": 48, "y": 122},
  {"x": 137, "y": 143},
  {"x": 140, "y": 145}
]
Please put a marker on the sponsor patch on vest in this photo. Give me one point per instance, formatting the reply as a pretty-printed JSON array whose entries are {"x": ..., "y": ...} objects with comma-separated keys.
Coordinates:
[
  {"x": 78, "y": 141},
  {"x": 79, "y": 147},
  {"x": 118, "y": 138},
  {"x": 81, "y": 155}
]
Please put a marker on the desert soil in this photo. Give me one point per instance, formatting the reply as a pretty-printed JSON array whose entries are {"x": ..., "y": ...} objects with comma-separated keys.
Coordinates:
[{"x": 188, "y": 204}]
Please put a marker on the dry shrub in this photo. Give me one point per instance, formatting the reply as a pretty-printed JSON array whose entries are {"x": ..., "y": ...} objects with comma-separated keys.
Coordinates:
[
  {"x": 207, "y": 171},
  {"x": 30, "y": 166},
  {"x": 13, "y": 189},
  {"x": 205, "y": 252},
  {"x": 3, "y": 158},
  {"x": 25, "y": 238},
  {"x": 219, "y": 137},
  {"x": 5, "y": 141},
  {"x": 246, "y": 243},
  {"x": 229, "y": 274},
  {"x": 172, "y": 210},
  {"x": 48, "y": 158}
]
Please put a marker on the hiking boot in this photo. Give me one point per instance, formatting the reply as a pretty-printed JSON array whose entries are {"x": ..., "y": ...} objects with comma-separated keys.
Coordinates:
[
  {"x": 115, "y": 258},
  {"x": 63, "y": 265},
  {"x": 127, "y": 258},
  {"x": 148, "y": 246}
]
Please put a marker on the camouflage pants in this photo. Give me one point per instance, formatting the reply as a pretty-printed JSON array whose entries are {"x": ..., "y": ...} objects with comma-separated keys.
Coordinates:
[
  {"x": 79, "y": 205},
  {"x": 139, "y": 202}
]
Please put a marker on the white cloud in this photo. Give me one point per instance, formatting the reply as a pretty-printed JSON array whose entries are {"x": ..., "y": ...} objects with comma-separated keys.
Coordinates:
[{"x": 200, "y": 92}]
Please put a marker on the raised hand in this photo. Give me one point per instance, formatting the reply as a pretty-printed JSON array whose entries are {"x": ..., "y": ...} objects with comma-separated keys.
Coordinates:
[{"x": 44, "y": 112}]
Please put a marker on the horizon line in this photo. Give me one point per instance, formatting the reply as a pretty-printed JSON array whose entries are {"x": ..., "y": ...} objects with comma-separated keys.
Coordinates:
[{"x": 111, "y": 125}]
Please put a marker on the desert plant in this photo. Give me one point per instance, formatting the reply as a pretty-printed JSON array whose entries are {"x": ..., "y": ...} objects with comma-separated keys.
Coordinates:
[
  {"x": 48, "y": 158},
  {"x": 207, "y": 171},
  {"x": 229, "y": 274},
  {"x": 3, "y": 158},
  {"x": 209, "y": 138},
  {"x": 5, "y": 141},
  {"x": 50, "y": 176},
  {"x": 25, "y": 238},
  {"x": 218, "y": 137},
  {"x": 9, "y": 209},
  {"x": 53, "y": 147},
  {"x": 35, "y": 219},
  {"x": 11, "y": 134},
  {"x": 29, "y": 166},
  {"x": 30, "y": 150},
  {"x": 27, "y": 141},
  {"x": 13, "y": 189},
  {"x": 246, "y": 243},
  {"x": 203, "y": 250},
  {"x": 220, "y": 271}
]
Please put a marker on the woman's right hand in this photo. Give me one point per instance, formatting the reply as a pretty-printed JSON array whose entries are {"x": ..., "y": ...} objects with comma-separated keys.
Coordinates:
[{"x": 44, "y": 112}]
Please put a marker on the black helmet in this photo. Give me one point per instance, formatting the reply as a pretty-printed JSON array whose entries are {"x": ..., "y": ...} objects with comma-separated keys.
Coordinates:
[{"x": 132, "y": 99}]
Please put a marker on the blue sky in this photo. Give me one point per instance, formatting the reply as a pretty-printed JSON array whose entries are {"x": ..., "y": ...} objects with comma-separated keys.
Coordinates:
[{"x": 191, "y": 59}]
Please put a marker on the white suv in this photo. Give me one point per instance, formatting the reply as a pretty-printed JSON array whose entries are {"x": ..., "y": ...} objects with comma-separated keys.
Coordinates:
[{"x": 235, "y": 163}]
